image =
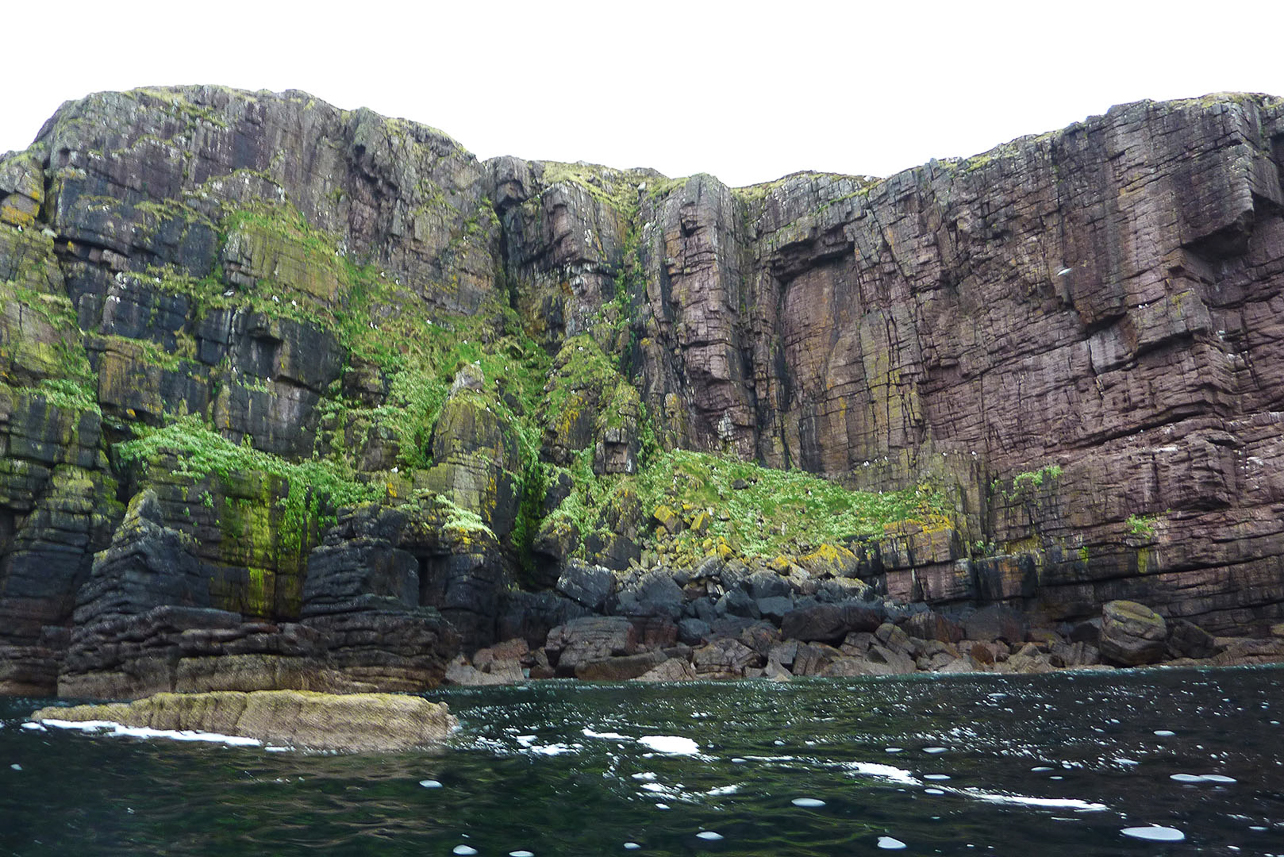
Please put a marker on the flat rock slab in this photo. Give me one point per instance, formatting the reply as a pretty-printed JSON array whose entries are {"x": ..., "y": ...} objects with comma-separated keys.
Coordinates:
[{"x": 358, "y": 722}]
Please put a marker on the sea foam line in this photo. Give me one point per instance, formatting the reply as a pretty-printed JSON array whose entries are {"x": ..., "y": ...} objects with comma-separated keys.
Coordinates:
[{"x": 116, "y": 730}]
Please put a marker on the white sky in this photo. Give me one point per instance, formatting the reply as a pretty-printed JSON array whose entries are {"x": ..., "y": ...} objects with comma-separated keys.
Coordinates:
[{"x": 747, "y": 91}]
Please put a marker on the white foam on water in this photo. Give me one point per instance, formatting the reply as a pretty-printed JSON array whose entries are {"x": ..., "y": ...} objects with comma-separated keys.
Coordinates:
[
  {"x": 674, "y": 745},
  {"x": 738, "y": 761},
  {"x": 631, "y": 846},
  {"x": 1154, "y": 833},
  {"x": 115, "y": 730},
  {"x": 16, "y": 766},
  {"x": 661, "y": 806},
  {"x": 430, "y": 784},
  {"x": 521, "y": 854},
  {"x": 1045, "y": 802},
  {"x": 644, "y": 775},
  {"x": 464, "y": 850},
  {"x": 279, "y": 749},
  {"x": 894, "y": 750},
  {"x": 552, "y": 749},
  {"x": 1162, "y": 733},
  {"x": 935, "y": 750},
  {"x": 936, "y": 776},
  {"x": 525, "y": 740},
  {"x": 933, "y": 791},
  {"x": 724, "y": 790},
  {"x": 887, "y": 772},
  {"x": 614, "y": 736},
  {"x": 659, "y": 788},
  {"x": 1040, "y": 769},
  {"x": 1203, "y": 778},
  {"x": 888, "y": 843},
  {"x": 710, "y": 835},
  {"x": 1120, "y": 760},
  {"x": 807, "y": 802},
  {"x": 36, "y": 727}
]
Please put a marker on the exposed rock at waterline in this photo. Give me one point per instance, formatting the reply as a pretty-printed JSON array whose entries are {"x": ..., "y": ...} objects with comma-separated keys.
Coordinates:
[{"x": 364, "y": 722}]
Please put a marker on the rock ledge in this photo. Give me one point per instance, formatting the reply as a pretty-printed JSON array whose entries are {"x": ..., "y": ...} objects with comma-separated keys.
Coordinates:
[{"x": 358, "y": 722}]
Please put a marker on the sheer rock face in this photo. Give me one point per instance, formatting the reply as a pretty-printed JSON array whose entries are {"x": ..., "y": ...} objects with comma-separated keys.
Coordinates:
[{"x": 1079, "y": 333}]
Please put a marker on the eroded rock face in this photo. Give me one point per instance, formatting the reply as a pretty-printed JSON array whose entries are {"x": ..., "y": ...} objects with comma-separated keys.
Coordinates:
[
  {"x": 1076, "y": 336},
  {"x": 349, "y": 723}
]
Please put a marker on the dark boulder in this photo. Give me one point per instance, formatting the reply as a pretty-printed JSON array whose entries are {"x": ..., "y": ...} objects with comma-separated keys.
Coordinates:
[
  {"x": 828, "y": 623},
  {"x": 1132, "y": 634}
]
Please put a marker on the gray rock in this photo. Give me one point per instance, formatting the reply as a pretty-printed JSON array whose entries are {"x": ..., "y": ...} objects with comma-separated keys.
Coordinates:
[{"x": 1132, "y": 634}]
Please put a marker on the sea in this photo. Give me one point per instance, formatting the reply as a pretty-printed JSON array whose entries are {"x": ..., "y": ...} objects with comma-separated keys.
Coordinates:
[{"x": 1156, "y": 761}]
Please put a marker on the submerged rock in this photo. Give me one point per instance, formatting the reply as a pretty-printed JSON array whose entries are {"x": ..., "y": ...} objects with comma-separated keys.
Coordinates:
[{"x": 359, "y": 722}]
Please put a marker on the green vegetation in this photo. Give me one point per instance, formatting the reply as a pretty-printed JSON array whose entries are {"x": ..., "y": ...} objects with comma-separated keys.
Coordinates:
[
  {"x": 1034, "y": 478},
  {"x": 68, "y": 393},
  {"x": 773, "y": 512},
  {"x": 316, "y": 489},
  {"x": 1143, "y": 526}
]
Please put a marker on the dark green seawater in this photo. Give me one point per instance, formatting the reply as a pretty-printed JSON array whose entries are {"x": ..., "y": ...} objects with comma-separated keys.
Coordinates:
[{"x": 1040, "y": 765}]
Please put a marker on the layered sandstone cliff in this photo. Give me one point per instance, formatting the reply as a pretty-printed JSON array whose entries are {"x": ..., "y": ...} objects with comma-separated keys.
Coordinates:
[{"x": 238, "y": 314}]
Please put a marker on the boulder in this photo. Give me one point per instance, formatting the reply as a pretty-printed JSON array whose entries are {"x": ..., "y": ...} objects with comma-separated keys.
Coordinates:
[
  {"x": 1131, "y": 634},
  {"x": 591, "y": 638},
  {"x": 360, "y": 722},
  {"x": 621, "y": 668},
  {"x": 673, "y": 669},
  {"x": 590, "y": 585},
  {"x": 934, "y": 626},
  {"x": 828, "y": 623},
  {"x": 995, "y": 622},
  {"x": 725, "y": 658},
  {"x": 693, "y": 631},
  {"x": 654, "y": 594},
  {"x": 1188, "y": 640}
]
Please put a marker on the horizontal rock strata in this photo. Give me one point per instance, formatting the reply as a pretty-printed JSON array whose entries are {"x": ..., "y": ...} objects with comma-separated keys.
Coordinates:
[{"x": 293, "y": 396}]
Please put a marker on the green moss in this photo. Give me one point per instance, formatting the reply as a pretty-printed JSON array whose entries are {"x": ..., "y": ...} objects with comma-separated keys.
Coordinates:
[
  {"x": 616, "y": 188},
  {"x": 316, "y": 489}
]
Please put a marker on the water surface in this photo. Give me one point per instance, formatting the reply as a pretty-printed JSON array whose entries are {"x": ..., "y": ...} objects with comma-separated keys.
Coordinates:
[{"x": 1055, "y": 764}]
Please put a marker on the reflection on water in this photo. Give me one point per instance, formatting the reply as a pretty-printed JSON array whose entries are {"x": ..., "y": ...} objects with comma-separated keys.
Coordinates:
[{"x": 1052, "y": 764}]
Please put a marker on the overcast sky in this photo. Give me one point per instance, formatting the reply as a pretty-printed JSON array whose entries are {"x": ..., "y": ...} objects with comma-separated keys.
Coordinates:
[{"x": 746, "y": 91}]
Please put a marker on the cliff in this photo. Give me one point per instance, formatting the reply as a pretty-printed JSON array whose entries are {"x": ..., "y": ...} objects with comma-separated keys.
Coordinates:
[{"x": 292, "y": 396}]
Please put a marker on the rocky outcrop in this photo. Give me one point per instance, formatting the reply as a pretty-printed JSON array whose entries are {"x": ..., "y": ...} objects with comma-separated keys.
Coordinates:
[
  {"x": 1046, "y": 378},
  {"x": 348, "y": 723}
]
